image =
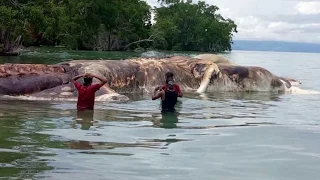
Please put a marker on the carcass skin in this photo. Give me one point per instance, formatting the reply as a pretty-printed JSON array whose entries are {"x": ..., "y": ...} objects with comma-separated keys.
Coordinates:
[{"x": 203, "y": 73}]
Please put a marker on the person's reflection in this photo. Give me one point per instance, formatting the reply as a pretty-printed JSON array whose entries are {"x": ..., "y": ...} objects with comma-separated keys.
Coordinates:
[
  {"x": 85, "y": 118},
  {"x": 169, "y": 120}
]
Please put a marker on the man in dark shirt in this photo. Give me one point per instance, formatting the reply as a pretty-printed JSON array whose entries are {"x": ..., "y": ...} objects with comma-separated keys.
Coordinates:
[{"x": 169, "y": 97}]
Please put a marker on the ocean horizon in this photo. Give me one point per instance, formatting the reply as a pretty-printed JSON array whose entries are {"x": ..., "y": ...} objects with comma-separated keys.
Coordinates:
[{"x": 275, "y": 46}]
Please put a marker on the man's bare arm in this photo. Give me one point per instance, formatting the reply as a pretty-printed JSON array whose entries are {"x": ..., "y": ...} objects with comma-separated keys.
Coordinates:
[
  {"x": 103, "y": 81},
  {"x": 179, "y": 91},
  {"x": 157, "y": 94},
  {"x": 77, "y": 77}
]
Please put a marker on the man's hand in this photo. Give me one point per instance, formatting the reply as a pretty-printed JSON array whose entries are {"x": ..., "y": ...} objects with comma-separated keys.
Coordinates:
[
  {"x": 77, "y": 77},
  {"x": 88, "y": 75},
  {"x": 103, "y": 81},
  {"x": 157, "y": 88},
  {"x": 157, "y": 93}
]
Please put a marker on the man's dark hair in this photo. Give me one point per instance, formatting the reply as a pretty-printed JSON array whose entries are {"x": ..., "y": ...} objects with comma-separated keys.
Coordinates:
[
  {"x": 87, "y": 81},
  {"x": 169, "y": 75}
]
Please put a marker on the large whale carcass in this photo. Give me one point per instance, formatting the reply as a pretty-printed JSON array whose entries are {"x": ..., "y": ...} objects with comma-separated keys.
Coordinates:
[{"x": 203, "y": 73}]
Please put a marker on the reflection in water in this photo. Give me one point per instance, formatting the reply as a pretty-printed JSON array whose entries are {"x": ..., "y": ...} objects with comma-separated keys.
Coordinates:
[
  {"x": 87, "y": 145},
  {"x": 85, "y": 118},
  {"x": 48, "y": 55},
  {"x": 261, "y": 96},
  {"x": 38, "y": 139},
  {"x": 169, "y": 120},
  {"x": 20, "y": 152}
]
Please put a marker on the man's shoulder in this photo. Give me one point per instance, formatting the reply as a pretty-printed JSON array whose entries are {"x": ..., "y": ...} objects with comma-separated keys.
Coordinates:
[
  {"x": 177, "y": 86},
  {"x": 77, "y": 84},
  {"x": 95, "y": 86}
]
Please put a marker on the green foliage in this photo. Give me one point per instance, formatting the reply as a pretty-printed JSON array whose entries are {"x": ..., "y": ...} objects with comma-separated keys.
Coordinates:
[
  {"x": 10, "y": 20},
  {"x": 193, "y": 27},
  {"x": 116, "y": 24}
]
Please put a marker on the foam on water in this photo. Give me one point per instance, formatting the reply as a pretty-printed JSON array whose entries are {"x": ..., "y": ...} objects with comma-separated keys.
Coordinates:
[
  {"x": 112, "y": 97},
  {"x": 32, "y": 98},
  {"x": 106, "y": 97},
  {"x": 298, "y": 91}
]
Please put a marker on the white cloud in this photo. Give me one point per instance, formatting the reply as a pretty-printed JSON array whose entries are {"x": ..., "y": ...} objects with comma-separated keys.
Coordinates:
[
  {"x": 281, "y": 26},
  {"x": 227, "y": 13},
  {"x": 312, "y": 7},
  {"x": 284, "y": 20}
]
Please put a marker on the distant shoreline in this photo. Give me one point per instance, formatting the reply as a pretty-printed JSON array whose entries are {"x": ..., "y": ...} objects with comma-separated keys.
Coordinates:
[
  {"x": 275, "y": 46},
  {"x": 270, "y": 51},
  {"x": 237, "y": 46}
]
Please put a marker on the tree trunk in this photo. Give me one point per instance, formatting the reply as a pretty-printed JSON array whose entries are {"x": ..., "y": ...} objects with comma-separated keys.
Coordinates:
[
  {"x": 10, "y": 48},
  {"x": 109, "y": 41}
]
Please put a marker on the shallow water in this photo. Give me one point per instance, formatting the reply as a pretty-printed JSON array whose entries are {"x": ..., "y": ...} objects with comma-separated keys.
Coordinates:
[
  {"x": 212, "y": 136},
  {"x": 49, "y": 55}
]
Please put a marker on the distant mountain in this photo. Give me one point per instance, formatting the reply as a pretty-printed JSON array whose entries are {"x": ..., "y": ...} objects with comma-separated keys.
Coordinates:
[{"x": 247, "y": 45}]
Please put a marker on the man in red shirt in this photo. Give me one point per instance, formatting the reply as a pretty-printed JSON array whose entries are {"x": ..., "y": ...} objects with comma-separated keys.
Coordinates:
[
  {"x": 86, "y": 92},
  {"x": 176, "y": 87},
  {"x": 168, "y": 97}
]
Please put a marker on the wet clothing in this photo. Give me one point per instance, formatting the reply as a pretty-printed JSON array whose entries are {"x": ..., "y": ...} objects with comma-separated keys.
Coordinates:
[
  {"x": 176, "y": 87},
  {"x": 169, "y": 101},
  {"x": 86, "y": 95}
]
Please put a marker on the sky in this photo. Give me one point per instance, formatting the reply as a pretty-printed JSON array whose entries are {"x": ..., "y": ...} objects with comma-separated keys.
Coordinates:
[{"x": 280, "y": 20}]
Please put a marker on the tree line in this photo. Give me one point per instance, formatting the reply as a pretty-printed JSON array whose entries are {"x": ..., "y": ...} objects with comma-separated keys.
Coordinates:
[{"x": 109, "y": 25}]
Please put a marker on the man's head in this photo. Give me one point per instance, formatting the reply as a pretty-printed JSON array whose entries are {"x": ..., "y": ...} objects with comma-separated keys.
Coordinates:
[
  {"x": 169, "y": 75},
  {"x": 87, "y": 81}
]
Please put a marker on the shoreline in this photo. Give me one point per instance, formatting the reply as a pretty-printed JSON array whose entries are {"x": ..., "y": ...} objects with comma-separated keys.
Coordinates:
[{"x": 62, "y": 49}]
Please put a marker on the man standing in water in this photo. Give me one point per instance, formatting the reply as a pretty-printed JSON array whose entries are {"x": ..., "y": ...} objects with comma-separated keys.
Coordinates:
[
  {"x": 86, "y": 92},
  {"x": 169, "y": 96},
  {"x": 169, "y": 77}
]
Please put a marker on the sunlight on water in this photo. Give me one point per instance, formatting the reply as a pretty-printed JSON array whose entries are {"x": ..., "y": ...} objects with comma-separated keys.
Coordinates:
[{"x": 211, "y": 136}]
